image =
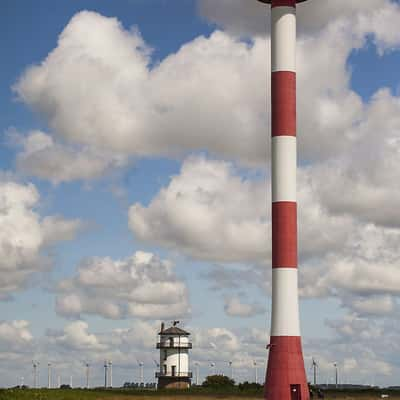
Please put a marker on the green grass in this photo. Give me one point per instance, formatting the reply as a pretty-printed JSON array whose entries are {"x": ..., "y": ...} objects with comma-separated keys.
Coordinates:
[
  {"x": 77, "y": 394},
  {"x": 119, "y": 394},
  {"x": 56, "y": 394}
]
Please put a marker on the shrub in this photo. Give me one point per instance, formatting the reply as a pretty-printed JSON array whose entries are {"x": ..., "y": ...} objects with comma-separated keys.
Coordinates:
[{"x": 218, "y": 381}]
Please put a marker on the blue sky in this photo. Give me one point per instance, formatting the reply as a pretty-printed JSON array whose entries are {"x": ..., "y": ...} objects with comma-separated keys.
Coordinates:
[{"x": 183, "y": 175}]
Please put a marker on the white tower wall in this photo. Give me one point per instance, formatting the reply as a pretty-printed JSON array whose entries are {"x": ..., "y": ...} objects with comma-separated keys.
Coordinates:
[
  {"x": 174, "y": 354},
  {"x": 174, "y": 357}
]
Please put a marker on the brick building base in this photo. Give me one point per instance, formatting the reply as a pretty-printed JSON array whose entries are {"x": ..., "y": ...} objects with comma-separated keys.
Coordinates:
[{"x": 173, "y": 383}]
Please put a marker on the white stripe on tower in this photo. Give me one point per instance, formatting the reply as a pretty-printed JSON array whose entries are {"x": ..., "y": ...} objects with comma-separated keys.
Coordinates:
[
  {"x": 283, "y": 35},
  {"x": 285, "y": 315},
  {"x": 284, "y": 161}
]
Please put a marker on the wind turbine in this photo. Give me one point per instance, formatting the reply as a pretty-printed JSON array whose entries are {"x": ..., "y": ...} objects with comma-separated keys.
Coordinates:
[
  {"x": 105, "y": 373},
  {"x": 231, "y": 368},
  {"x": 336, "y": 373},
  {"x": 256, "y": 370},
  {"x": 197, "y": 373},
  {"x": 158, "y": 368},
  {"x": 110, "y": 373},
  {"x": 49, "y": 375},
  {"x": 314, "y": 367},
  {"x": 87, "y": 374},
  {"x": 35, "y": 375},
  {"x": 141, "y": 364},
  {"x": 212, "y": 368}
]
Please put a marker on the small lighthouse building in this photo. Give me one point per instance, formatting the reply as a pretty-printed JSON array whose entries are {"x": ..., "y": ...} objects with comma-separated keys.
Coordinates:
[{"x": 174, "y": 348}]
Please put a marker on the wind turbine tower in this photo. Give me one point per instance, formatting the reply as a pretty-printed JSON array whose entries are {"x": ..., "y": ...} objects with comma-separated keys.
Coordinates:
[
  {"x": 35, "y": 373},
  {"x": 336, "y": 374},
  {"x": 87, "y": 375},
  {"x": 314, "y": 366},
  {"x": 231, "y": 368},
  {"x": 158, "y": 369},
  {"x": 141, "y": 374},
  {"x": 197, "y": 373},
  {"x": 49, "y": 375},
  {"x": 111, "y": 376},
  {"x": 105, "y": 373},
  {"x": 286, "y": 377},
  {"x": 212, "y": 368},
  {"x": 256, "y": 370}
]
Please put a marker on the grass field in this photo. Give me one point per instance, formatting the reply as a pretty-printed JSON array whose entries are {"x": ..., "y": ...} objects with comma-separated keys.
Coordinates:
[{"x": 16, "y": 394}]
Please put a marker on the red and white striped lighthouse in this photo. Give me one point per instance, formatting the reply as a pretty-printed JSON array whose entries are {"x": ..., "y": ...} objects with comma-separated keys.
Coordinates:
[{"x": 286, "y": 377}]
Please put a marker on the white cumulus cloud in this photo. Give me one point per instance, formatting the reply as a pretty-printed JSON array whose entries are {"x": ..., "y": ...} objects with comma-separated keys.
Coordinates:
[
  {"x": 207, "y": 211},
  {"x": 24, "y": 235},
  {"x": 75, "y": 336},
  {"x": 99, "y": 93},
  {"x": 42, "y": 157},
  {"x": 15, "y": 335},
  {"x": 141, "y": 285},
  {"x": 234, "y": 307}
]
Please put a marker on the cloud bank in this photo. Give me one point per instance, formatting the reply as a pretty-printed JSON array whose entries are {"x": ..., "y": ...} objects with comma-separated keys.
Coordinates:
[{"x": 141, "y": 286}]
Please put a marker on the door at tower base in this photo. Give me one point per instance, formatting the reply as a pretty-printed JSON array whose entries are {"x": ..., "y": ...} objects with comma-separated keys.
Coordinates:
[
  {"x": 173, "y": 383},
  {"x": 286, "y": 373}
]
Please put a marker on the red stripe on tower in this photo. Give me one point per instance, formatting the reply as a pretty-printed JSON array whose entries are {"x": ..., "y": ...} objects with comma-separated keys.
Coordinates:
[
  {"x": 283, "y": 103},
  {"x": 284, "y": 234},
  {"x": 286, "y": 378},
  {"x": 283, "y": 3},
  {"x": 285, "y": 367}
]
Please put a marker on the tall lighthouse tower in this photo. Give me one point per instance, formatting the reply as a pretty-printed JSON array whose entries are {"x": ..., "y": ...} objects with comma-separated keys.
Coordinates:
[
  {"x": 286, "y": 378},
  {"x": 174, "y": 348}
]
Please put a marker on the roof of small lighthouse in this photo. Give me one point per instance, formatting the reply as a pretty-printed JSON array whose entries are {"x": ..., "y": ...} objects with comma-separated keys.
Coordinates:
[{"x": 174, "y": 330}]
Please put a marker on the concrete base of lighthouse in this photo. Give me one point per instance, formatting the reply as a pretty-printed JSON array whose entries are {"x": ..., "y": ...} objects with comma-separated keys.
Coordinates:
[
  {"x": 286, "y": 376},
  {"x": 169, "y": 382}
]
